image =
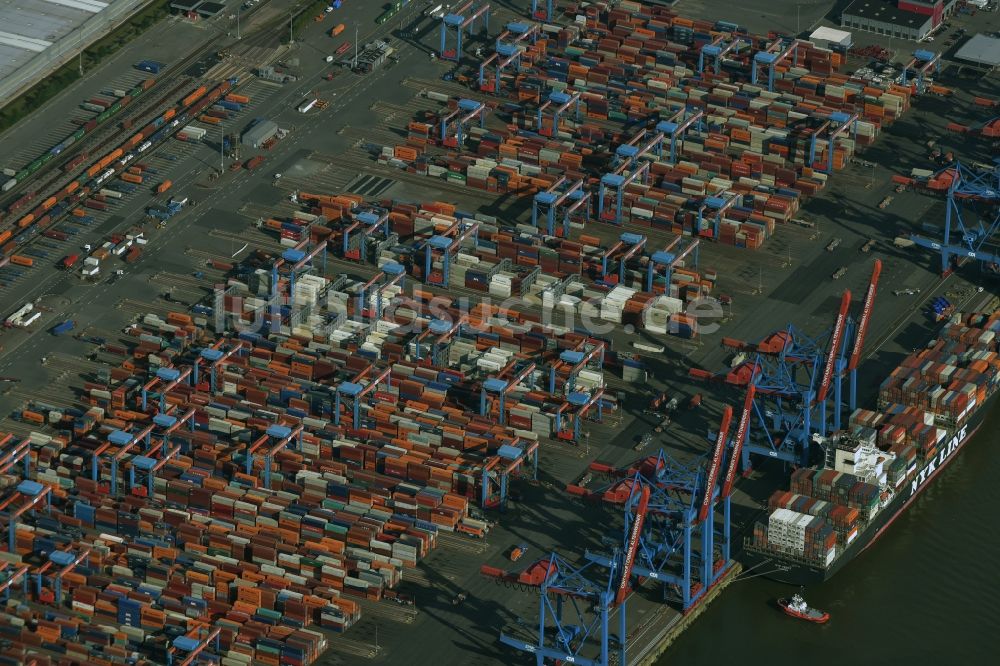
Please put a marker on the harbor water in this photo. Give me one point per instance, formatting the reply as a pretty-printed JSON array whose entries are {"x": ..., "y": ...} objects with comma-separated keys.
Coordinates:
[{"x": 928, "y": 591}]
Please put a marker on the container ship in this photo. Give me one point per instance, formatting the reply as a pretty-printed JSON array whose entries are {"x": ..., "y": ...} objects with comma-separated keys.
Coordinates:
[{"x": 928, "y": 409}]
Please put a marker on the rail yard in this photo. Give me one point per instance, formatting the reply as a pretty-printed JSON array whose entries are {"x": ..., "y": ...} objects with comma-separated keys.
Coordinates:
[{"x": 455, "y": 334}]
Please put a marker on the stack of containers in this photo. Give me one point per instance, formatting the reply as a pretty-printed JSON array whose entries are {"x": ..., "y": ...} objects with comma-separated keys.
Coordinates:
[
  {"x": 786, "y": 531},
  {"x": 632, "y": 65}
]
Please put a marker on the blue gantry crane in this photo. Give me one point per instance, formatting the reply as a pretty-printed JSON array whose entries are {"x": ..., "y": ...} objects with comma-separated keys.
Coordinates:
[
  {"x": 837, "y": 124},
  {"x": 118, "y": 445},
  {"x": 366, "y": 221},
  {"x": 543, "y": 10},
  {"x": 921, "y": 66},
  {"x": 587, "y": 350},
  {"x": 274, "y": 440},
  {"x": 718, "y": 205},
  {"x": 26, "y": 498},
  {"x": 354, "y": 393},
  {"x": 612, "y": 188},
  {"x": 443, "y": 331},
  {"x": 446, "y": 245},
  {"x": 558, "y": 103},
  {"x": 660, "y": 542},
  {"x": 163, "y": 382},
  {"x": 509, "y": 51},
  {"x": 459, "y": 20},
  {"x": 49, "y": 583},
  {"x": 142, "y": 469},
  {"x": 775, "y": 53},
  {"x": 628, "y": 246},
  {"x": 10, "y": 574},
  {"x": 506, "y": 55},
  {"x": 500, "y": 386},
  {"x": 563, "y": 200},
  {"x": 716, "y": 51},
  {"x": 667, "y": 259},
  {"x": 578, "y": 405},
  {"x": 295, "y": 260},
  {"x": 518, "y": 31},
  {"x": 629, "y": 153},
  {"x": 391, "y": 275},
  {"x": 677, "y": 126},
  {"x": 216, "y": 358},
  {"x": 192, "y": 644},
  {"x": 971, "y": 219},
  {"x": 509, "y": 461},
  {"x": 453, "y": 124},
  {"x": 575, "y": 607}
]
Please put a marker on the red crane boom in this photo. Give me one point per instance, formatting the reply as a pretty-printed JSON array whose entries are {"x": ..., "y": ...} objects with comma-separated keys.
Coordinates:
[
  {"x": 835, "y": 339},
  {"x": 866, "y": 313},
  {"x": 633, "y": 546},
  {"x": 716, "y": 464},
  {"x": 741, "y": 434}
]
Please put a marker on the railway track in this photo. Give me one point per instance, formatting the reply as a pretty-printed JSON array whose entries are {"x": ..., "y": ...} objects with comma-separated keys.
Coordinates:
[{"x": 106, "y": 134}]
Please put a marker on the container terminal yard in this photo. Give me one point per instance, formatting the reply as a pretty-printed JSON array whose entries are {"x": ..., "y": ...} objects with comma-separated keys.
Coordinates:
[{"x": 397, "y": 341}]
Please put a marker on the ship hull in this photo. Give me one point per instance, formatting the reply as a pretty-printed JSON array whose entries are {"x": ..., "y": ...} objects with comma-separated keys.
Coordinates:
[{"x": 800, "y": 572}]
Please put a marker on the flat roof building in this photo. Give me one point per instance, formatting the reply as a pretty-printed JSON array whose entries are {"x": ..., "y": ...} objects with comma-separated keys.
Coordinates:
[
  {"x": 885, "y": 18},
  {"x": 259, "y": 133},
  {"x": 39, "y": 37},
  {"x": 899, "y": 19},
  {"x": 982, "y": 50},
  {"x": 831, "y": 37}
]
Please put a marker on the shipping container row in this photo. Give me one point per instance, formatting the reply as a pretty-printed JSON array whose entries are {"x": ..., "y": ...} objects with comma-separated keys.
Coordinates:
[
  {"x": 770, "y": 145},
  {"x": 105, "y": 110}
]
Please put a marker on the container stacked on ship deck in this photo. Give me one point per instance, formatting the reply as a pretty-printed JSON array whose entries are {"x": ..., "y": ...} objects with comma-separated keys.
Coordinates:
[{"x": 930, "y": 396}]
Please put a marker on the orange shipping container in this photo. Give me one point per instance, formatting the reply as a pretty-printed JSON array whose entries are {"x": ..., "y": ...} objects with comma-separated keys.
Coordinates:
[
  {"x": 163, "y": 187},
  {"x": 25, "y": 221},
  {"x": 193, "y": 97},
  {"x": 131, "y": 178},
  {"x": 48, "y": 203},
  {"x": 21, "y": 261}
]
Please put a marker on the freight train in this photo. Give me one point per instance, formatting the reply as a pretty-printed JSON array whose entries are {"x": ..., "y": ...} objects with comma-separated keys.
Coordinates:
[
  {"x": 89, "y": 126},
  {"x": 107, "y": 166}
]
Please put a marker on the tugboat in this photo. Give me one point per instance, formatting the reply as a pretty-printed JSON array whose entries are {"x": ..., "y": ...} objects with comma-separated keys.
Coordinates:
[{"x": 797, "y": 607}]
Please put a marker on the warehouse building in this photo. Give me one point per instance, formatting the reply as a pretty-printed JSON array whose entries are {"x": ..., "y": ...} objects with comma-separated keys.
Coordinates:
[
  {"x": 259, "y": 133},
  {"x": 40, "y": 37},
  {"x": 981, "y": 50},
  {"x": 898, "y": 19}
]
